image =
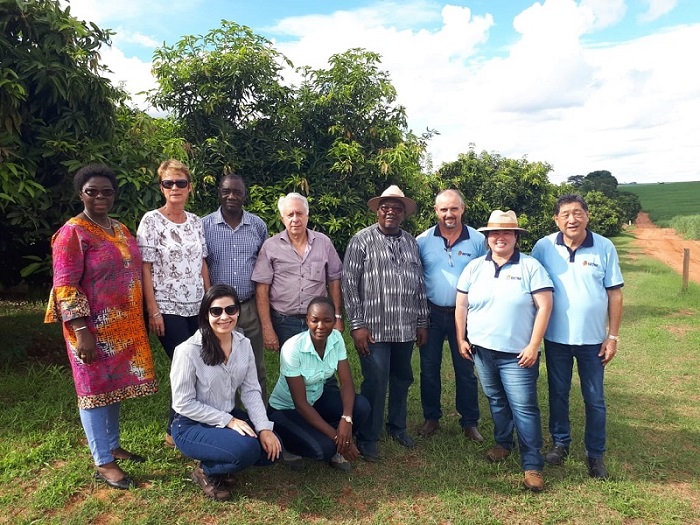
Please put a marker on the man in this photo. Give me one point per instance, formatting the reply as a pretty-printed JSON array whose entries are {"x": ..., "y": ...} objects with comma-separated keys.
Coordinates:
[
  {"x": 445, "y": 249},
  {"x": 234, "y": 237},
  {"x": 587, "y": 292},
  {"x": 293, "y": 267},
  {"x": 385, "y": 304}
]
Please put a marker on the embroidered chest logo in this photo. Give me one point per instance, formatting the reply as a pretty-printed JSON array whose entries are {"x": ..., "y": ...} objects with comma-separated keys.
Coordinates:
[
  {"x": 591, "y": 263},
  {"x": 513, "y": 278}
]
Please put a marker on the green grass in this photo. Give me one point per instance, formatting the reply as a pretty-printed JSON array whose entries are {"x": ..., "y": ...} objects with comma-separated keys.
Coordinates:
[
  {"x": 653, "y": 394},
  {"x": 663, "y": 202},
  {"x": 688, "y": 226}
]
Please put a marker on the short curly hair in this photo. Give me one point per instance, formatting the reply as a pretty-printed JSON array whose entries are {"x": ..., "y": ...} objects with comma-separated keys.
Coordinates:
[{"x": 84, "y": 174}]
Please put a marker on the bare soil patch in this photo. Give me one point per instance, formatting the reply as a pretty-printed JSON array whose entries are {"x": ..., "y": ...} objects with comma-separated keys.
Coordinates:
[{"x": 666, "y": 245}]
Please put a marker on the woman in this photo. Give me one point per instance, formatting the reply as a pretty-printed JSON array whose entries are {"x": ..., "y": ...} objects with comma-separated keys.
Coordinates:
[
  {"x": 175, "y": 274},
  {"x": 504, "y": 300},
  {"x": 207, "y": 371},
  {"x": 97, "y": 295},
  {"x": 314, "y": 418}
]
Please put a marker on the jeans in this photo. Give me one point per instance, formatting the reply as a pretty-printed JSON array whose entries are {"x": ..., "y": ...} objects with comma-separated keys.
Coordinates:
[
  {"x": 387, "y": 365},
  {"x": 286, "y": 326},
  {"x": 512, "y": 394},
  {"x": 560, "y": 364},
  {"x": 442, "y": 324},
  {"x": 299, "y": 437},
  {"x": 220, "y": 450},
  {"x": 249, "y": 323},
  {"x": 177, "y": 330},
  {"x": 101, "y": 427}
]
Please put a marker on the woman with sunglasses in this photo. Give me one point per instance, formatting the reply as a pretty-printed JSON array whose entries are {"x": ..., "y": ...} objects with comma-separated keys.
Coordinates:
[
  {"x": 97, "y": 296},
  {"x": 207, "y": 371},
  {"x": 175, "y": 274}
]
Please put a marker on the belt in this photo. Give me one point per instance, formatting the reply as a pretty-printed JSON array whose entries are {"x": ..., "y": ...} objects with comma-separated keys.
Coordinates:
[
  {"x": 450, "y": 309},
  {"x": 297, "y": 316},
  {"x": 248, "y": 300}
]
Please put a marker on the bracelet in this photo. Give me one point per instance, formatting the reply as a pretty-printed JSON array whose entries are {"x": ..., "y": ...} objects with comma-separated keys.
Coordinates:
[
  {"x": 338, "y": 316},
  {"x": 614, "y": 337},
  {"x": 80, "y": 328},
  {"x": 156, "y": 315}
]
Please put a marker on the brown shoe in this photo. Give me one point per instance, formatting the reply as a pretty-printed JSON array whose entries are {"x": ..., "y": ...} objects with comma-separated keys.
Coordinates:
[
  {"x": 533, "y": 481},
  {"x": 168, "y": 442},
  {"x": 473, "y": 434},
  {"x": 429, "y": 427},
  {"x": 212, "y": 486},
  {"x": 497, "y": 453}
]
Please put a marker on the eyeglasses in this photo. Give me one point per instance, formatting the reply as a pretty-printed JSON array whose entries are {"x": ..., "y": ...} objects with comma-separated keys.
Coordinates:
[
  {"x": 396, "y": 208},
  {"x": 576, "y": 214},
  {"x": 231, "y": 310},
  {"x": 449, "y": 256},
  {"x": 180, "y": 183},
  {"x": 94, "y": 192}
]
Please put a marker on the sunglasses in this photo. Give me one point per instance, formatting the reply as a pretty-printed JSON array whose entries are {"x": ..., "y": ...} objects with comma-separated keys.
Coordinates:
[
  {"x": 231, "y": 310},
  {"x": 94, "y": 192},
  {"x": 180, "y": 183}
]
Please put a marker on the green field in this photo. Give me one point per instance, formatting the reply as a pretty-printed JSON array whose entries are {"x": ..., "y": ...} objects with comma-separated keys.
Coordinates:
[{"x": 665, "y": 201}]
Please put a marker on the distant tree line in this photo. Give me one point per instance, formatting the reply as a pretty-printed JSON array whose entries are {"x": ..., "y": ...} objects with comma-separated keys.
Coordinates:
[{"x": 339, "y": 137}]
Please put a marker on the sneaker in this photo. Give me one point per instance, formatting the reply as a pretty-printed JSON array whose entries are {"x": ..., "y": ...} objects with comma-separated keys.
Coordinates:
[
  {"x": 557, "y": 455},
  {"x": 596, "y": 468},
  {"x": 403, "y": 439},
  {"x": 340, "y": 463},
  {"x": 497, "y": 453},
  {"x": 211, "y": 485},
  {"x": 429, "y": 427},
  {"x": 292, "y": 461},
  {"x": 533, "y": 481},
  {"x": 368, "y": 451}
]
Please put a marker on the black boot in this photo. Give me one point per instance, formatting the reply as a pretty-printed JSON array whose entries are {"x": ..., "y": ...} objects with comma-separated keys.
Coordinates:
[{"x": 596, "y": 468}]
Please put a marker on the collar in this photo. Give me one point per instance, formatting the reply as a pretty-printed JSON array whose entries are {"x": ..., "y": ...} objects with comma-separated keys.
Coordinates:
[
  {"x": 310, "y": 235},
  {"x": 463, "y": 235},
  {"x": 514, "y": 258},
  {"x": 380, "y": 232},
  {"x": 587, "y": 242},
  {"x": 219, "y": 217}
]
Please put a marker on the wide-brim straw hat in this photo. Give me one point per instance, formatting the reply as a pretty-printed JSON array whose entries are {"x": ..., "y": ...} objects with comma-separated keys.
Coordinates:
[
  {"x": 393, "y": 192},
  {"x": 502, "y": 220}
]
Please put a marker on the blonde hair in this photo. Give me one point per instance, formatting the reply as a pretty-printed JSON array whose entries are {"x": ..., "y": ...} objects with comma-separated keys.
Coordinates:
[{"x": 173, "y": 165}]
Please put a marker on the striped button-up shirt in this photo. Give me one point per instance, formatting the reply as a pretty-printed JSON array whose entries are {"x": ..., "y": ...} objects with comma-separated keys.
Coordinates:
[{"x": 383, "y": 285}]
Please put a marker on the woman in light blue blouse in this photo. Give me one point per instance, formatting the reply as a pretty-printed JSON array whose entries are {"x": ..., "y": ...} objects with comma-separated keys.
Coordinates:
[{"x": 207, "y": 371}]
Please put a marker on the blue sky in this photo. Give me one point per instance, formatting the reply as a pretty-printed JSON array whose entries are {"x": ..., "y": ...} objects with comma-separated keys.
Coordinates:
[{"x": 583, "y": 85}]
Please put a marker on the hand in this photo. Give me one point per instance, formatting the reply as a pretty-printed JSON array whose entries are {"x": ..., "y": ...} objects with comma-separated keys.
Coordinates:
[
  {"x": 241, "y": 427},
  {"x": 344, "y": 443},
  {"x": 270, "y": 340},
  {"x": 362, "y": 339},
  {"x": 528, "y": 357},
  {"x": 608, "y": 350},
  {"x": 86, "y": 346},
  {"x": 465, "y": 350},
  {"x": 156, "y": 325},
  {"x": 270, "y": 444},
  {"x": 339, "y": 325},
  {"x": 421, "y": 336}
]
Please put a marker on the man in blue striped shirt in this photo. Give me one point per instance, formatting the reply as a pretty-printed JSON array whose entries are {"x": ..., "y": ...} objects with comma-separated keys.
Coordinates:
[{"x": 234, "y": 237}]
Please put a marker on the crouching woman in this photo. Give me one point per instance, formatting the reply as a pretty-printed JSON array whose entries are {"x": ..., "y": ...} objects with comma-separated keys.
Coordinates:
[{"x": 207, "y": 371}]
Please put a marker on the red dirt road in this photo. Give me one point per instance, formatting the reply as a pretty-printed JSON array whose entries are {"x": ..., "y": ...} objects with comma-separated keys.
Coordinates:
[{"x": 666, "y": 245}]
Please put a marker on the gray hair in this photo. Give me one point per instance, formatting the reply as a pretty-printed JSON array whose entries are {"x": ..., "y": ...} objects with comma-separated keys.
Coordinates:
[
  {"x": 454, "y": 192},
  {"x": 282, "y": 202}
]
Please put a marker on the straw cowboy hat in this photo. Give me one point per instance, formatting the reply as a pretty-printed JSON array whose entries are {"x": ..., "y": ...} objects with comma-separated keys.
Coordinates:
[
  {"x": 502, "y": 220},
  {"x": 393, "y": 192}
]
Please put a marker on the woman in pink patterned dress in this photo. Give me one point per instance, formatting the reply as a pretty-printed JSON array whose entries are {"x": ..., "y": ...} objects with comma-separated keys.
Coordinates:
[{"x": 97, "y": 297}]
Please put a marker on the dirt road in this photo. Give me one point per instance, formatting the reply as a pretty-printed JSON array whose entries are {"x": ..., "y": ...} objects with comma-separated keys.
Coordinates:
[{"x": 666, "y": 245}]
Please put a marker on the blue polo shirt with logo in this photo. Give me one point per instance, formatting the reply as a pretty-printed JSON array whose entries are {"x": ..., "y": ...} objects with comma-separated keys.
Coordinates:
[
  {"x": 581, "y": 280},
  {"x": 443, "y": 264},
  {"x": 501, "y": 308}
]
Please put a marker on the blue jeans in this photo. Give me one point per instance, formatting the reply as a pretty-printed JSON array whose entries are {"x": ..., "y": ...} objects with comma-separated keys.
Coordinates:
[
  {"x": 101, "y": 427},
  {"x": 299, "y": 437},
  {"x": 286, "y": 326},
  {"x": 220, "y": 450},
  {"x": 560, "y": 364},
  {"x": 442, "y": 324},
  {"x": 512, "y": 394},
  {"x": 387, "y": 365},
  {"x": 177, "y": 330}
]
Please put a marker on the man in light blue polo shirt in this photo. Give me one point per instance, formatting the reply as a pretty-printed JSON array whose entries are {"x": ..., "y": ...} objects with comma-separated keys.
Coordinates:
[
  {"x": 445, "y": 250},
  {"x": 234, "y": 237},
  {"x": 587, "y": 295}
]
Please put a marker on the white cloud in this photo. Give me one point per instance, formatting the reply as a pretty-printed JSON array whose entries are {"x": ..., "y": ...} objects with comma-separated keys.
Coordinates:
[{"x": 657, "y": 9}]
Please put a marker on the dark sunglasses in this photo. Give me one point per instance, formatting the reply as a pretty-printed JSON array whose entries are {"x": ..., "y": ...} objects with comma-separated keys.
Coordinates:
[
  {"x": 231, "y": 310},
  {"x": 94, "y": 192},
  {"x": 180, "y": 183}
]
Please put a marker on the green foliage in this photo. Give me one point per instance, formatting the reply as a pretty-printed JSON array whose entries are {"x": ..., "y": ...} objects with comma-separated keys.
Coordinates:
[
  {"x": 601, "y": 181},
  {"x": 687, "y": 225},
  {"x": 605, "y": 215},
  {"x": 665, "y": 201},
  {"x": 629, "y": 206}
]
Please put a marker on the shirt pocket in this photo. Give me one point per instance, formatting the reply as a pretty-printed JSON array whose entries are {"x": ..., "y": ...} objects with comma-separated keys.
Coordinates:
[
  {"x": 312, "y": 376},
  {"x": 316, "y": 272}
]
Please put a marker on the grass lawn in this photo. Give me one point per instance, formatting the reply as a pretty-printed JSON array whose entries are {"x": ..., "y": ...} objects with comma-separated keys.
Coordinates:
[
  {"x": 653, "y": 393},
  {"x": 663, "y": 202}
]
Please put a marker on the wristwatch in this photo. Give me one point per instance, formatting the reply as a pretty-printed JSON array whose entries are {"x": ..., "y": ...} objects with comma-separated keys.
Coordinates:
[
  {"x": 347, "y": 418},
  {"x": 614, "y": 337}
]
